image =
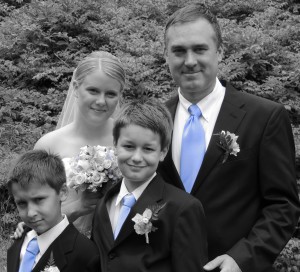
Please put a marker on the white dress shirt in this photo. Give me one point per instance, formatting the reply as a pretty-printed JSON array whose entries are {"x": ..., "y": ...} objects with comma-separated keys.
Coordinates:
[
  {"x": 210, "y": 107},
  {"x": 114, "y": 205},
  {"x": 44, "y": 240}
]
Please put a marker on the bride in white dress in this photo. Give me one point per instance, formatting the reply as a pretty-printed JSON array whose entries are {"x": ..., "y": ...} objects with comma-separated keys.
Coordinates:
[{"x": 86, "y": 120}]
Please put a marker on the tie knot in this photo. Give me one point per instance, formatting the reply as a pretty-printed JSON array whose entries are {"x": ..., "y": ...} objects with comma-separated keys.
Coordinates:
[
  {"x": 33, "y": 247},
  {"x": 195, "y": 111},
  {"x": 128, "y": 200}
]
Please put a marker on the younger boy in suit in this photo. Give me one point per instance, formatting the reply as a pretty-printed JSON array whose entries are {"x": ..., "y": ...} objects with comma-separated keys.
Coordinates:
[
  {"x": 143, "y": 223},
  {"x": 38, "y": 185}
]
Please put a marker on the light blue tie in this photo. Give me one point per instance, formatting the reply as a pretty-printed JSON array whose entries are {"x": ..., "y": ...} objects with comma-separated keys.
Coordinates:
[
  {"x": 192, "y": 148},
  {"x": 127, "y": 202},
  {"x": 28, "y": 260}
]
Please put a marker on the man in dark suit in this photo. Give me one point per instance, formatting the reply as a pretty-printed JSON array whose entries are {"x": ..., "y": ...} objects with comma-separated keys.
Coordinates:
[
  {"x": 143, "y": 223},
  {"x": 246, "y": 175}
]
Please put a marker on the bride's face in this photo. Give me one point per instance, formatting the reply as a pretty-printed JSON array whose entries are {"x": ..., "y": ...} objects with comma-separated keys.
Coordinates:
[{"x": 97, "y": 96}]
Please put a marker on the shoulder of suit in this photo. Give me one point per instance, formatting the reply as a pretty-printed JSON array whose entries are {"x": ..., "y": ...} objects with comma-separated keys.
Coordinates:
[
  {"x": 172, "y": 100},
  {"x": 250, "y": 98},
  {"x": 85, "y": 245}
]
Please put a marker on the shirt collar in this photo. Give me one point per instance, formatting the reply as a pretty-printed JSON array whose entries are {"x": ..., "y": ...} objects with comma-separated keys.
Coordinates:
[
  {"x": 206, "y": 103},
  {"x": 46, "y": 239},
  {"x": 137, "y": 192}
]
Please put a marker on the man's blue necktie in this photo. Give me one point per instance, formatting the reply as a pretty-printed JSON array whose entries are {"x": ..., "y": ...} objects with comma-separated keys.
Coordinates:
[
  {"x": 28, "y": 260},
  {"x": 127, "y": 202},
  {"x": 192, "y": 148}
]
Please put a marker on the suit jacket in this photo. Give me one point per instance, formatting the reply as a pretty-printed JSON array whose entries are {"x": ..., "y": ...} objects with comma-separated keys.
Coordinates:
[
  {"x": 179, "y": 243},
  {"x": 72, "y": 252},
  {"x": 250, "y": 201}
]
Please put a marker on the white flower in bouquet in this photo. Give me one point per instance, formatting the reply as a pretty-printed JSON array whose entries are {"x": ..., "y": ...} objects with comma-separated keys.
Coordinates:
[{"x": 93, "y": 166}]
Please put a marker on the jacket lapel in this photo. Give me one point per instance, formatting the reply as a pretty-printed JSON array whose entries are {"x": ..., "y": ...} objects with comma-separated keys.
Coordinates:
[
  {"x": 230, "y": 116},
  {"x": 105, "y": 224},
  {"x": 172, "y": 171},
  {"x": 151, "y": 196},
  {"x": 59, "y": 248}
]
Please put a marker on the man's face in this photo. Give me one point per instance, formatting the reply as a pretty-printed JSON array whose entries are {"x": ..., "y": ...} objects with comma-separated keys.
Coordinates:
[
  {"x": 39, "y": 205},
  {"x": 192, "y": 56}
]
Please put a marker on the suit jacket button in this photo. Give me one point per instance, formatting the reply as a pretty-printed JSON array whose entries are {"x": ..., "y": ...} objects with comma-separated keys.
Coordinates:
[{"x": 112, "y": 255}]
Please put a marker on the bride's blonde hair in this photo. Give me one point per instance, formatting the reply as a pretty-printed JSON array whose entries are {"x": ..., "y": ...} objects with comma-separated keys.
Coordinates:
[{"x": 103, "y": 61}]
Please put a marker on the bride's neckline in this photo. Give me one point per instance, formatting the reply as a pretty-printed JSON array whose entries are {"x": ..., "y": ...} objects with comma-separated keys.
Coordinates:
[{"x": 69, "y": 157}]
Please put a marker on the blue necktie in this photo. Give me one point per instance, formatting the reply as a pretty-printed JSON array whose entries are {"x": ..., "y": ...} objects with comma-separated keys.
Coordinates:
[
  {"x": 28, "y": 260},
  {"x": 127, "y": 202},
  {"x": 192, "y": 148}
]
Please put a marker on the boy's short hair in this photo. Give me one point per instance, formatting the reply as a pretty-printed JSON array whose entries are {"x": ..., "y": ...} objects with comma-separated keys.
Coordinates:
[
  {"x": 38, "y": 166},
  {"x": 148, "y": 113}
]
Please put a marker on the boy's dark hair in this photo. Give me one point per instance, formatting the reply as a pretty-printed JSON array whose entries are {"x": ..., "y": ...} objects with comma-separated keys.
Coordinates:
[
  {"x": 191, "y": 13},
  {"x": 148, "y": 113},
  {"x": 38, "y": 166}
]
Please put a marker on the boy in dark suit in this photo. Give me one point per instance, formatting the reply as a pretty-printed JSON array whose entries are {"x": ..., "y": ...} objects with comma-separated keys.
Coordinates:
[
  {"x": 38, "y": 185},
  {"x": 143, "y": 223}
]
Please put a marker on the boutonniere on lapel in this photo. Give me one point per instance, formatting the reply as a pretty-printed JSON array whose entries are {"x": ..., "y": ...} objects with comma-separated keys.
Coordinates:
[
  {"x": 143, "y": 222},
  {"x": 51, "y": 267},
  {"x": 228, "y": 142}
]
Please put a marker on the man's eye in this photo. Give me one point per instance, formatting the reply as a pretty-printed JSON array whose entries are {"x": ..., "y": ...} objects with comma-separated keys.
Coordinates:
[
  {"x": 200, "y": 50},
  {"x": 178, "y": 51}
]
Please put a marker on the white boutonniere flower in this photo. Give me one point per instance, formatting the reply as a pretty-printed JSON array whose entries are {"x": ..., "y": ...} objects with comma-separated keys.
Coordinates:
[
  {"x": 143, "y": 222},
  {"x": 51, "y": 267},
  {"x": 228, "y": 142}
]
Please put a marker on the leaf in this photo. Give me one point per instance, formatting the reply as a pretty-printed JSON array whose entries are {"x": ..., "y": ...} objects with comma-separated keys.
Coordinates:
[
  {"x": 51, "y": 261},
  {"x": 155, "y": 210}
]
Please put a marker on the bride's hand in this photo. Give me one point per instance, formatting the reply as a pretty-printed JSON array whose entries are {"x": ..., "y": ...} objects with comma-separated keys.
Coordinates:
[
  {"x": 19, "y": 231},
  {"x": 89, "y": 201},
  {"x": 84, "y": 205}
]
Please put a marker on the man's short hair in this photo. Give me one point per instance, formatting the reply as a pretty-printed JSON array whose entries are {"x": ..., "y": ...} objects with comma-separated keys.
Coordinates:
[
  {"x": 191, "y": 13},
  {"x": 148, "y": 113},
  {"x": 40, "y": 167}
]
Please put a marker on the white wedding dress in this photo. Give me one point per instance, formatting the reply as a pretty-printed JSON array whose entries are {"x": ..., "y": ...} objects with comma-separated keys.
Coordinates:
[{"x": 83, "y": 223}]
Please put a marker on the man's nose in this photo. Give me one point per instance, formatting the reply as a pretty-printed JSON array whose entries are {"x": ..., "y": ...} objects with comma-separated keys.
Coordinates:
[{"x": 190, "y": 59}]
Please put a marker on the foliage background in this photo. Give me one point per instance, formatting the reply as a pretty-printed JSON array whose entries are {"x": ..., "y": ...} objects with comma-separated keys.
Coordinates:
[{"x": 41, "y": 43}]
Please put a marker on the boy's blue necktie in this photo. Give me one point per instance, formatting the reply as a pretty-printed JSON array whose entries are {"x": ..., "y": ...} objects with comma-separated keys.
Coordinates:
[
  {"x": 127, "y": 202},
  {"x": 28, "y": 260},
  {"x": 192, "y": 148}
]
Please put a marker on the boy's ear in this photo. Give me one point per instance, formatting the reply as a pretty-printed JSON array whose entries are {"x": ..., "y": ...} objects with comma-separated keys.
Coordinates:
[
  {"x": 63, "y": 192},
  {"x": 163, "y": 153}
]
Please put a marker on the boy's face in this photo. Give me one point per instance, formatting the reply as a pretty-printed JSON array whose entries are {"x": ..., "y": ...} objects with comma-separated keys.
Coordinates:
[
  {"x": 139, "y": 152},
  {"x": 39, "y": 205}
]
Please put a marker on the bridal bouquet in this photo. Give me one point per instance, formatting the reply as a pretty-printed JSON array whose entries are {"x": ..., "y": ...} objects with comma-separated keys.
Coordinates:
[{"x": 93, "y": 166}]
